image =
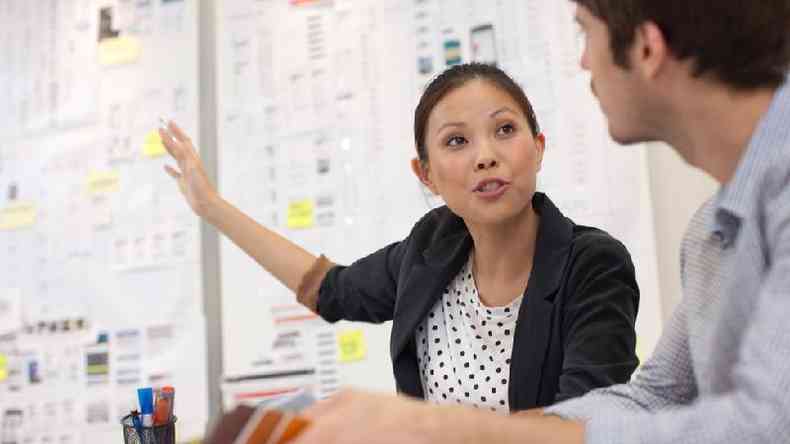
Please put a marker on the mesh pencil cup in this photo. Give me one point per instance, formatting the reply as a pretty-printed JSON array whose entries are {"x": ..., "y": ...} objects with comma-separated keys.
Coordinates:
[{"x": 158, "y": 434}]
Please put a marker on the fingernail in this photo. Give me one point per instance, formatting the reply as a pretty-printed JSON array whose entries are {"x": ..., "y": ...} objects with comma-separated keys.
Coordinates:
[{"x": 162, "y": 122}]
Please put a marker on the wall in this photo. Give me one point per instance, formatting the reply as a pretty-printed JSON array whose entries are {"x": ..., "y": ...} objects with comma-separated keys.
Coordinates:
[{"x": 677, "y": 190}]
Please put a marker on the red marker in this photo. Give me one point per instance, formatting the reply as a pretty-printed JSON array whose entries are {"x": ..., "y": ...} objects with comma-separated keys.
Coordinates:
[{"x": 163, "y": 413}]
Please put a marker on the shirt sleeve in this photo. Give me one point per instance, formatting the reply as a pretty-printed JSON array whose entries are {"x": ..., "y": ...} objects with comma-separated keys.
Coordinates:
[
  {"x": 364, "y": 291},
  {"x": 756, "y": 410},
  {"x": 307, "y": 292},
  {"x": 599, "y": 341}
]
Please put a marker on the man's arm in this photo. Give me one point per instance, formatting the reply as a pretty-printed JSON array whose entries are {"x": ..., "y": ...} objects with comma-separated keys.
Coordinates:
[
  {"x": 357, "y": 417},
  {"x": 755, "y": 410}
]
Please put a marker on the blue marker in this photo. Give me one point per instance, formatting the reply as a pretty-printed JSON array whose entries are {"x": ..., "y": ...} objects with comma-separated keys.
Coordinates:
[
  {"x": 138, "y": 426},
  {"x": 146, "y": 398}
]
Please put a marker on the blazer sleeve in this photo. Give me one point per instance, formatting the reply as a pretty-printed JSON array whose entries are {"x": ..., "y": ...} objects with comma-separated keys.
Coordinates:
[
  {"x": 599, "y": 319},
  {"x": 365, "y": 290}
]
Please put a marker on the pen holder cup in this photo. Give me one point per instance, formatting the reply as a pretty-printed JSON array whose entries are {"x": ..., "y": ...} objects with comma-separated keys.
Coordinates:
[{"x": 158, "y": 434}]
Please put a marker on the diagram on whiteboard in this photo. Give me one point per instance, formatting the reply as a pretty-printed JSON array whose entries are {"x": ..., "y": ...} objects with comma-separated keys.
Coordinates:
[
  {"x": 101, "y": 274},
  {"x": 316, "y": 101}
]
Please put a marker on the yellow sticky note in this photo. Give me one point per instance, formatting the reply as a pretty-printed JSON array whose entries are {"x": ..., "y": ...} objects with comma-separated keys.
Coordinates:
[
  {"x": 119, "y": 50},
  {"x": 153, "y": 146},
  {"x": 3, "y": 368},
  {"x": 301, "y": 214},
  {"x": 351, "y": 346},
  {"x": 641, "y": 354},
  {"x": 17, "y": 215},
  {"x": 103, "y": 182}
]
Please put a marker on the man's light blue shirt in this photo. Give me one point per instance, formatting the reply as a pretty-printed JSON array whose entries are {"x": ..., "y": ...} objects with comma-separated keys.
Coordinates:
[{"x": 721, "y": 371}]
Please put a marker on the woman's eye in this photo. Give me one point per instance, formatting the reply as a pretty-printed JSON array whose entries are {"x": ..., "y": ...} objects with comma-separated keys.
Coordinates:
[
  {"x": 456, "y": 141},
  {"x": 506, "y": 129}
]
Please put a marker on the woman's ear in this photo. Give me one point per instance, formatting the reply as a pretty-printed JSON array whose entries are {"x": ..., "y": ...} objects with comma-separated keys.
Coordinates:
[
  {"x": 540, "y": 147},
  {"x": 420, "y": 169}
]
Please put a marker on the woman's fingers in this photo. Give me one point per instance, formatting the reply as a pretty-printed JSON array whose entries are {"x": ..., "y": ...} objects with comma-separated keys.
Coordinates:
[
  {"x": 172, "y": 172},
  {"x": 171, "y": 145},
  {"x": 181, "y": 141},
  {"x": 178, "y": 146},
  {"x": 179, "y": 134}
]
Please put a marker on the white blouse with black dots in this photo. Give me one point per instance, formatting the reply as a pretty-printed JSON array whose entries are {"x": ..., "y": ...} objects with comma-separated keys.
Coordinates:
[{"x": 464, "y": 347}]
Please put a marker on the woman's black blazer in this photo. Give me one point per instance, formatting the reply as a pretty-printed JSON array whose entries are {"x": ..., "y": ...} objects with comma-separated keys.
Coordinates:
[{"x": 575, "y": 329}]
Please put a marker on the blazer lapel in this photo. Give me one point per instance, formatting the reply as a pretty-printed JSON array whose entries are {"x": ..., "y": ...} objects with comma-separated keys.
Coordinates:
[
  {"x": 533, "y": 329},
  {"x": 424, "y": 286}
]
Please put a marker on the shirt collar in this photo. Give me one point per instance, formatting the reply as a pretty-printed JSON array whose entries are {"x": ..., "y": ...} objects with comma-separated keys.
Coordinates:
[{"x": 736, "y": 198}]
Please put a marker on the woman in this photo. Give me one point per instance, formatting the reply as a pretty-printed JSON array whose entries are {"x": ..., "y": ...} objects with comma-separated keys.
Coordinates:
[{"x": 498, "y": 301}]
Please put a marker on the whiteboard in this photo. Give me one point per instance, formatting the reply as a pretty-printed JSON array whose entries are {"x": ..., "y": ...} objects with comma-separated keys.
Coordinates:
[
  {"x": 315, "y": 106},
  {"x": 100, "y": 261}
]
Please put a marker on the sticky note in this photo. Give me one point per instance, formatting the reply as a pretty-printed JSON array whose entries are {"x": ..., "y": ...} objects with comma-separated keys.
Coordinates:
[
  {"x": 640, "y": 351},
  {"x": 3, "y": 367},
  {"x": 17, "y": 215},
  {"x": 153, "y": 146},
  {"x": 301, "y": 214},
  {"x": 103, "y": 182},
  {"x": 119, "y": 51},
  {"x": 352, "y": 346}
]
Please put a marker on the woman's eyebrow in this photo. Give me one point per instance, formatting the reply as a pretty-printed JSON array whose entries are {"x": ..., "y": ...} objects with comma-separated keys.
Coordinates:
[
  {"x": 449, "y": 124},
  {"x": 504, "y": 109}
]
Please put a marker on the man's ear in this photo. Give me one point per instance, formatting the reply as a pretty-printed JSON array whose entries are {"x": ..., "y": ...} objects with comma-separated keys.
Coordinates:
[
  {"x": 650, "y": 50},
  {"x": 540, "y": 148},
  {"x": 420, "y": 169}
]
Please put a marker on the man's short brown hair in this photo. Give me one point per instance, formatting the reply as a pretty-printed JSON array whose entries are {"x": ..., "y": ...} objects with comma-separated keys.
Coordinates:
[{"x": 746, "y": 44}]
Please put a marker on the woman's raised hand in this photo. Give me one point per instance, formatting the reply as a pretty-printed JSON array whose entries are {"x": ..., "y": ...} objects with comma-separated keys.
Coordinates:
[
  {"x": 192, "y": 179},
  {"x": 277, "y": 255}
]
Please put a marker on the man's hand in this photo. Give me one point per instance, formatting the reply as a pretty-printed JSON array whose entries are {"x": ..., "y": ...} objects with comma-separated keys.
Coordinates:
[
  {"x": 533, "y": 413},
  {"x": 354, "y": 417}
]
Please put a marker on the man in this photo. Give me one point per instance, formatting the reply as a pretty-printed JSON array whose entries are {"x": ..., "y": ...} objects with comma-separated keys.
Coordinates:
[{"x": 707, "y": 77}]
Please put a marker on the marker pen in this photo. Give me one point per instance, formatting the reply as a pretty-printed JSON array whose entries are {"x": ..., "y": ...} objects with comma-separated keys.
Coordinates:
[
  {"x": 146, "y": 398},
  {"x": 138, "y": 425},
  {"x": 163, "y": 412}
]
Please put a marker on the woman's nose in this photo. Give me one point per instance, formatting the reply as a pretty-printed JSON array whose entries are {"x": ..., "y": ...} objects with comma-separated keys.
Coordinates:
[{"x": 485, "y": 164}]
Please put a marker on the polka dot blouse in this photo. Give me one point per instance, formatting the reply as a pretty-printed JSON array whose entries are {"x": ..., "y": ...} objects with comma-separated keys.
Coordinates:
[{"x": 464, "y": 347}]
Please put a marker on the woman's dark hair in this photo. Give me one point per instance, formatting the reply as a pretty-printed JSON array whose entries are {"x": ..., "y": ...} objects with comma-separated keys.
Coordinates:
[
  {"x": 745, "y": 44},
  {"x": 456, "y": 77}
]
